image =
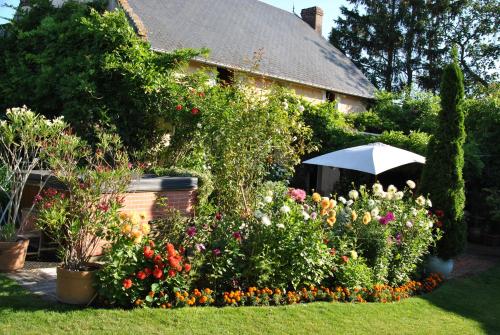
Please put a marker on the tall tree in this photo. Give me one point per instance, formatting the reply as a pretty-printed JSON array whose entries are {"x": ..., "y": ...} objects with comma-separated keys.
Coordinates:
[
  {"x": 401, "y": 43},
  {"x": 371, "y": 35},
  {"x": 442, "y": 176}
]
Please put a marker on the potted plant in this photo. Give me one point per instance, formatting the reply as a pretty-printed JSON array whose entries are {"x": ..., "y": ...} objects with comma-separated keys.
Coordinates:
[
  {"x": 78, "y": 217},
  {"x": 25, "y": 138}
]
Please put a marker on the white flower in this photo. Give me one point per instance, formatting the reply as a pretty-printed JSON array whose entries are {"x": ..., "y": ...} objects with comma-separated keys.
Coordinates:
[
  {"x": 389, "y": 195},
  {"x": 342, "y": 200},
  {"x": 409, "y": 224},
  {"x": 266, "y": 221},
  {"x": 270, "y": 193},
  {"x": 377, "y": 188},
  {"x": 354, "y": 254},
  {"x": 306, "y": 215},
  {"x": 431, "y": 224},
  {"x": 414, "y": 212},
  {"x": 285, "y": 105},
  {"x": 392, "y": 189},
  {"x": 349, "y": 203},
  {"x": 258, "y": 214},
  {"x": 399, "y": 195},
  {"x": 420, "y": 201},
  {"x": 268, "y": 199},
  {"x": 411, "y": 184},
  {"x": 285, "y": 209},
  {"x": 243, "y": 226},
  {"x": 198, "y": 125},
  {"x": 280, "y": 225},
  {"x": 371, "y": 203},
  {"x": 374, "y": 212},
  {"x": 301, "y": 108},
  {"x": 429, "y": 203},
  {"x": 353, "y": 194}
]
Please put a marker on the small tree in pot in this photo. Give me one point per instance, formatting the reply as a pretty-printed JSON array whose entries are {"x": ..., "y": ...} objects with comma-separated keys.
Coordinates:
[
  {"x": 25, "y": 139},
  {"x": 78, "y": 216}
]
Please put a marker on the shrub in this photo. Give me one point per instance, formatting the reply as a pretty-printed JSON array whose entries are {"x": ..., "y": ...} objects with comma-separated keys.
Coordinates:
[
  {"x": 442, "y": 176},
  {"x": 78, "y": 217}
]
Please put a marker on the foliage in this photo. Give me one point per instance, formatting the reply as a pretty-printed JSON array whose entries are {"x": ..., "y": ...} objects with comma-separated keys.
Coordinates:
[
  {"x": 137, "y": 271},
  {"x": 77, "y": 217},
  {"x": 445, "y": 162},
  {"x": 25, "y": 139},
  {"x": 405, "y": 43},
  {"x": 493, "y": 203},
  {"x": 238, "y": 135},
  {"x": 90, "y": 67}
]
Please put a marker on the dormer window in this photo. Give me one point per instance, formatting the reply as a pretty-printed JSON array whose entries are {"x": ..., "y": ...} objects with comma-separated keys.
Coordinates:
[{"x": 330, "y": 96}]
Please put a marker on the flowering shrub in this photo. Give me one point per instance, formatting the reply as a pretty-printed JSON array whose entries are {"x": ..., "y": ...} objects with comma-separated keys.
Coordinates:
[{"x": 137, "y": 271}]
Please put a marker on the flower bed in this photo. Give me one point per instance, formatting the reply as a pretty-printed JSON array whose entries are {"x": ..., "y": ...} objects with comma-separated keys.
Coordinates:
[{"x": 367, "y": 248}]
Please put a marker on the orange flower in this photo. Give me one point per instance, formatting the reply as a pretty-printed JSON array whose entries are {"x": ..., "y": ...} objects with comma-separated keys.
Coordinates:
[{"x": 331, "y": 220}]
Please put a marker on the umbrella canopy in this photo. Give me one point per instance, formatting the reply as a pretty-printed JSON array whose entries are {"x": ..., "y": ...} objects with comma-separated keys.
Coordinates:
[{"x": 373, "y": 158}]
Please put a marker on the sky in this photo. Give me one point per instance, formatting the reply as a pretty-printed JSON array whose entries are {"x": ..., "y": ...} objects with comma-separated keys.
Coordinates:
[{"x": 331, "y": 8}]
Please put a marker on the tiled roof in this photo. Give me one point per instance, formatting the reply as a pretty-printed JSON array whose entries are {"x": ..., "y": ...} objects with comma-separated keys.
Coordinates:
[{"x": 234, "y": 30}]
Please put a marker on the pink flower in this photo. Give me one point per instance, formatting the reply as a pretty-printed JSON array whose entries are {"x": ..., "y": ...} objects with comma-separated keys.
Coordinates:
[
  {"x": 297, "y": 194},
  {"x": 387, "y": 218},
  {"x": 200, "y": 247},
  {"x": 216, "y": 252},
  {"x": 191, "y": 231},
  {"x": 237, "y": 235}
]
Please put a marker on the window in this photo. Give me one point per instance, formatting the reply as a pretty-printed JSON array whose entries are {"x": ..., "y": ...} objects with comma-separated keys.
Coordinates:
[
  {"x": 225, "y": 76},
  {"x": 330, "y": 96}
]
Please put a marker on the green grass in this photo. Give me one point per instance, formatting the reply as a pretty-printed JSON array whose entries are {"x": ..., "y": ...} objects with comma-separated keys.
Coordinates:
[{"x": 462, "y": 306}]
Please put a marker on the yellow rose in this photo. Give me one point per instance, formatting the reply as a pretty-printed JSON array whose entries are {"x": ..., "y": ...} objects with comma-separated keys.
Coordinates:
[
  {"x": 354, "y": 216},
  {"x": 316, "y": 197},
  {"x": 367, "y": 218}
]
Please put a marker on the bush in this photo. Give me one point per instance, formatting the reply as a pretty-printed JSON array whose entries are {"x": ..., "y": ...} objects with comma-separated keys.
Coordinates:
[{"x": 442, "y": 176}]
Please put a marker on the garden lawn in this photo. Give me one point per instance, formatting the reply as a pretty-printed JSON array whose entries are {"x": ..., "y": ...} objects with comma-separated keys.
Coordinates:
[{"x": 461, "y": 306}]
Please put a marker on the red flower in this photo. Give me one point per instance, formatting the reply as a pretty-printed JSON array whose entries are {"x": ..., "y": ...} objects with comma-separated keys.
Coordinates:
[
  {"x": 148, "y": 252},
  {"x": 157, "y": 273},
  {"x": 439, "y": 224},
  {"x": 179, "y": 268},
  {"x": 141, "y": 275},
  {"x": 171, "y": 273},
  {"x": 103, "y": 207},
  {"x": 157, "y": 259},
  {"x": 151, "y": 244},
  {"x": 201, "y": 94},
  {"x": 195, "y": 111},
  {"x": 178, "y": 107},
  {"x": 187, "y": 267},
  {"x": 439, "y": 213},
  {"x": 345, "y": 259},
  {"x": 173, "y": 261},
  {"x": 333, "y": 251},
  {"x": 170, "y": 249},
  {"x": 127, "y": 283},
  {"x": 147, "y": 271},
  {"x": 218, "y": 216}
]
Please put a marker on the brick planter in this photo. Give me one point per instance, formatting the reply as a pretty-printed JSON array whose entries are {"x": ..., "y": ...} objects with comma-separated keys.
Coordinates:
[{"x": 141, "y": 196}]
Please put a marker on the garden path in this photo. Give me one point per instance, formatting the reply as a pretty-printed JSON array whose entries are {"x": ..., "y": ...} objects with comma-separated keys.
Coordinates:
[{"x": 40, "y": 277}]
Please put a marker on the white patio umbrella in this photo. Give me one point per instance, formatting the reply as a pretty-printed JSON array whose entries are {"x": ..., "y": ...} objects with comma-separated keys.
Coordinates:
[{"x": 373, "y": 158}]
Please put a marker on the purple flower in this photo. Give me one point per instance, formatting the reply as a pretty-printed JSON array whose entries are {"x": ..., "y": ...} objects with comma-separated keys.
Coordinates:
[
  {"x": 216, "y": 251},
  {"x": 398, "y": 238},
  {"x": 200, "y": 247},
  {"x": 191, "y": 231},
  {"x": 384, "y": 220},
  {"x": 314, "y": 215}
]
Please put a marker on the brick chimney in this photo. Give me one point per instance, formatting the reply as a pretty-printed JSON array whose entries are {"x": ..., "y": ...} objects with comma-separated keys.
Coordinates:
[{"x": 314, "y": 17}]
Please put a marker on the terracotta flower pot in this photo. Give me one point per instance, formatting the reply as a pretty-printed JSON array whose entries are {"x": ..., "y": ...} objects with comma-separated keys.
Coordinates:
[
  {"x": 75, "y": 287},
  {"x": 13, "y": 255}
]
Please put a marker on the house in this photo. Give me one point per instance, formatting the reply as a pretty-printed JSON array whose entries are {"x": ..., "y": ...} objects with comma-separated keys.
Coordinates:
[{"x": 291, "y": 49}]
